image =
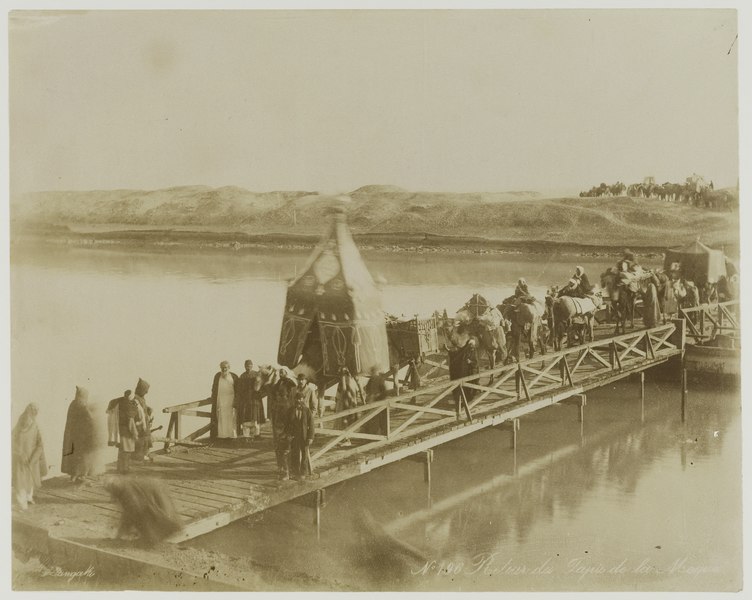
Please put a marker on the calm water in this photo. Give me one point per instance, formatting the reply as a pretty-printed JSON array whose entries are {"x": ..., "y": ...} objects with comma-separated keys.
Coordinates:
[{"x": 616, "y": 504}]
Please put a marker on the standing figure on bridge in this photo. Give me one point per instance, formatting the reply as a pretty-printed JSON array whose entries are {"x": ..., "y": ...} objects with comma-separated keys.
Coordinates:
[
  {"x": 281, "y": 401},
  {"x": 628, "y": 263},
  {"x": 223, "y": 412},
  {"x": 300, "y": 431},
  {"x": 143, "y": 423},
  {"x": 463, "y": 362},
  {"x": 310, "y": 394},
  {"x": 249, "y": 407},
  {"x": 82, "y": 442},
  {"x": 674, "y": 271},
  {"x": 29, "y": 462},
  {"x": 127, "y": 411}
]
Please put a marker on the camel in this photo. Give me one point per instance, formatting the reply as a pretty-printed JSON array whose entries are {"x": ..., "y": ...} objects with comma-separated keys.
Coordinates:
[
  {"x": 526, "y": 322},
  {"x": 489, "y": 340},
  {"x": 562, "y": 313},
  {"x": 623, "y": 299},
  {"x": 477, "y": 320}
]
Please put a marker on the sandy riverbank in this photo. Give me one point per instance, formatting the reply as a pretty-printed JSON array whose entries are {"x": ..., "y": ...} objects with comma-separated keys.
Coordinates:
[{"x": 169, "y": 240}]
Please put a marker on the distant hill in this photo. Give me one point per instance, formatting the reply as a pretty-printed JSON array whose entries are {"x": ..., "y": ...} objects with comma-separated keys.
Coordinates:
[{"x": 380, "y": 209}]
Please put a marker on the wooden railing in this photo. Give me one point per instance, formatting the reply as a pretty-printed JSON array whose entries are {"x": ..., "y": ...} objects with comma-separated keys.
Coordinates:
[
  {"x": 557, "y": 375},
  {"x": 553, "y": 376},
  {"x": 706, "y": 321},
  {"x": 175, "y": 430}
]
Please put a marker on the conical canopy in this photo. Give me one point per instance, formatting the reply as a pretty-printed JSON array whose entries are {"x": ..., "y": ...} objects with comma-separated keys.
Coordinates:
[
  {"x": 699, "y": 263},
  {"x": 333, "y": 315}
]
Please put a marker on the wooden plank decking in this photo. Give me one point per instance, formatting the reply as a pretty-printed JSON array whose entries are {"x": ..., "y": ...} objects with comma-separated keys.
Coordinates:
[
  {"x": 219, "y": 483},
  {"x": 216, "y": 484}
]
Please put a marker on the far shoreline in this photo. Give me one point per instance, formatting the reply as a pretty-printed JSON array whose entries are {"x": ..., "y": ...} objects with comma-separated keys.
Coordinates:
[{"x": 166, "y": 240}]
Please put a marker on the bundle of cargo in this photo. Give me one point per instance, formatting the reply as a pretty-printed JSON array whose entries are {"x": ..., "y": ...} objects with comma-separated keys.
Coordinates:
[{"x": 411, "y": 339}]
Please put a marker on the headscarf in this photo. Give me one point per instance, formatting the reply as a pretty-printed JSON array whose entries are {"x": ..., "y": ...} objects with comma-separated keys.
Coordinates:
[
  {"x": 287, "y": 372},
  {"x": 27, "y": 416},
  {"x": 142, "y": 387},
  {"x": 579, "y": 271},
  {"x": 82, "y": 395}
]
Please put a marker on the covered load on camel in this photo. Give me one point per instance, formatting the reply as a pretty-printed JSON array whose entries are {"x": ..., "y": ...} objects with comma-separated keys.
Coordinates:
[
  {"x": 634, "y": 280},
  {"x": 478, "y": 308},
  {"x": 411, "y": 338},
  {"x": 698, "y": 263},
  {"x": 333, "y": 316},
  {"x": 480, "y": 320}
]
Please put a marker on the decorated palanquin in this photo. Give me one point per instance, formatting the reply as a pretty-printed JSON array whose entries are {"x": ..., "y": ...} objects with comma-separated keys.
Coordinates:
[{"x": 333, "y": 315}]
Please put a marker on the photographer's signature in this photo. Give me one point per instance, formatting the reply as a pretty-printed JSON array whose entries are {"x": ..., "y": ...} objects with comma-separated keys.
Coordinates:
[{"x": 56, "y": 571}]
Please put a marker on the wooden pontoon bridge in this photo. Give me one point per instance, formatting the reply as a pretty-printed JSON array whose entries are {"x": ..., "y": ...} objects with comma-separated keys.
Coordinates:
[{"x": 214, "y": 484}]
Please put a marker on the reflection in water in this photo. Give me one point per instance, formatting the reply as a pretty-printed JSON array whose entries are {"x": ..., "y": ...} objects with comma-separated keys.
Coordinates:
[
  {"x": 612, "y": 499},
  {"x": 661, "y": 491}
]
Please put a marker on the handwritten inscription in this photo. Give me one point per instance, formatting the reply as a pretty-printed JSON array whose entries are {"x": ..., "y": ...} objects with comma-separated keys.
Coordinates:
[
  {"x": 494, "y": 564},
  {"x": 55, "y": 571}
]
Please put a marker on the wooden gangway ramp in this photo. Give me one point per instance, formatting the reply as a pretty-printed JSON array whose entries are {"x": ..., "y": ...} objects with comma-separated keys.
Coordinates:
[{"x": 214, "y": 485}]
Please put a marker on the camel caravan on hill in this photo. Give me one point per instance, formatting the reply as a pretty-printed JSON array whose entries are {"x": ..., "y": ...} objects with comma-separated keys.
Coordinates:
[
  {"x": 691, "y": 276},
  {"x": 695, "y": 191}
]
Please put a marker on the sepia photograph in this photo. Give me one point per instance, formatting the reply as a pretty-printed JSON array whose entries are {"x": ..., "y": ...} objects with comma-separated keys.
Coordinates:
[{"x": 440, "y": 299}]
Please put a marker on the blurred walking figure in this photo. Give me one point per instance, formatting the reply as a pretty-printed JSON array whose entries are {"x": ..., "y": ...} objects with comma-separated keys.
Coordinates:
[
  {"x": 281, "y": 401},
  {"x": 348, "y": 396},
  {"x": 300, "y": 431},
  {"x": 81, "y": 440},
  {"x": 143, "y": 421},
  {"x": 113, "y": 423},
  {"x": 224, "y": 418},
  {"x": 147, "y": 508},
  {"x": 29, "y": 462},
  {"x": 375, "y": 390}
]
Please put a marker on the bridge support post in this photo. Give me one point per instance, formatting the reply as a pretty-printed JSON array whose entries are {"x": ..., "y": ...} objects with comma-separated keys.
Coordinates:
[
  {"x": 319, "y": 497},
  {"x": 581, "y": 419},
  {"x": 683, "y": 393},
  {"x": 679, "y": 337},
  {"x": 582, "y": 402},
  {"x": 642, "y": 396},
  {"x": 515, "y": 428},
  {"x": 428, "y": 457}
]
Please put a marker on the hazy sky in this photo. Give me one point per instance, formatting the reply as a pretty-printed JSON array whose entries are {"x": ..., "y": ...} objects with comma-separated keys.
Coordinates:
[{"x": 426, "y": 100}]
